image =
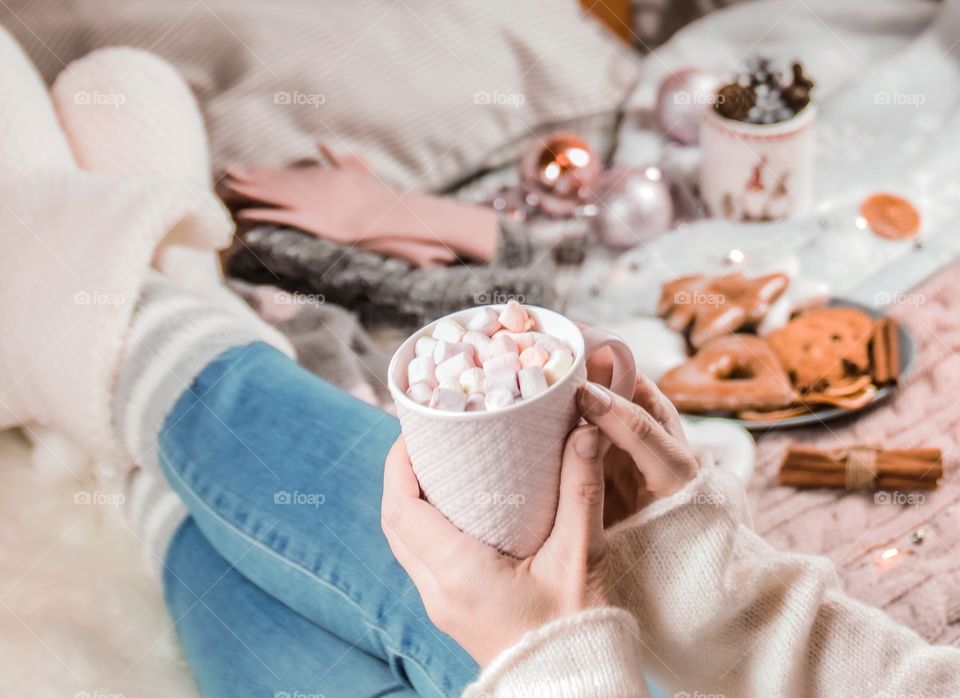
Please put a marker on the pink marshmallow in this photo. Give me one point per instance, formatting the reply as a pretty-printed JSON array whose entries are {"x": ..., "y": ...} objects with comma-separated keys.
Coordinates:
[
  {"x": 448, "y": 400},
  {"x": 448, "y": 330},
  {"x": 484, "y": 321},
  {"x": 500, "y": 344},
  {"x": 475, "y": 402},
  {"x": 420, "y": 393},
  {"x": 516, "y": 318},
  {"x": 496, "y": 398},
  {"x": 453, "y": 367},
  {"x": 424, "y": 346},
  {"x": 422, "y": 370},
  {"x": 532, "y": 381},
  {"x": 551, "y": 344},
  {"x": 476, "y": 339},
  {"x": 504, "y": 362},
  {"x": 471, "y": 380},
  {"x": 447, "y": 350},
  {"x": 523, "y": 340},
  {"x": 534, "y": 356},
  {"x": 505, "y": 380}
]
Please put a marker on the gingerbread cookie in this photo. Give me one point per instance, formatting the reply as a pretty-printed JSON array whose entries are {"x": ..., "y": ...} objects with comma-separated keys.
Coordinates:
[
  {"x": 824, "y": 347},
  {"x": 719, "y": 305},
  {"x": 730, "y": 373}
]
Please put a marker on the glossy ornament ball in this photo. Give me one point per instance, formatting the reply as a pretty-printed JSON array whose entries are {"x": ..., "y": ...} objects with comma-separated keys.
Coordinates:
[
  {"x": 634, "y": 206},
  {"x": 559, "y": 173},
  {"x": 682, "y": 99}
]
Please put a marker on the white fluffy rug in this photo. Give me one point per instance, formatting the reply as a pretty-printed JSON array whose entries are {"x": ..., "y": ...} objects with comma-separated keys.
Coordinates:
[{"x": 78, "y": 614}]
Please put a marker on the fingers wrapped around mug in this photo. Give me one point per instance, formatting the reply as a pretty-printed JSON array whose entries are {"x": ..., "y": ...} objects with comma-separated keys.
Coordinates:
[{"x": 655, "y": 443}]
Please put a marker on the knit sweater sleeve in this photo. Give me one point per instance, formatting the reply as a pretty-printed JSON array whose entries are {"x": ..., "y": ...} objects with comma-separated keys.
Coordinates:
[
  {"x": 593, "y": 654},
  {"x": 721, "y": 611}
]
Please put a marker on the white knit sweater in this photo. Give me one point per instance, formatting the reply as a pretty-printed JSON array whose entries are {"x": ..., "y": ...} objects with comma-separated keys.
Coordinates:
[{"x": 715, "y": 610}]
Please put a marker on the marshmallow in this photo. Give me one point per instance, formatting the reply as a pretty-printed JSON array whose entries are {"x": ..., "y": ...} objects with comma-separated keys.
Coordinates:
[
  {"x": 447, "y": 350},
  {"x": 523, "y": 340},
  {"x": 476, "y": 339},
  {"x": 449, "y": 400},
  {"x": 504, "y": 362},
  {"x": 471, "y": 380},
  {"x": 490, "y": 361},
  {"x": 496, "y": 398},
  {"x": 532, "y": 381},
  {"x": 448, "y": 330},
  {"x": 475, "y": 402},
  {"x": 551, "y": 344},
  {"x": 534, "y": 356},
  {"x": 484, "y": 321},
  {"x": 516, "y": 318},
  {"x": 422, "y": 370},
  {"x": 420, "y": 393},
  {"x": 449, "y": 384},
  {"x": 504, "y": 380},
  {"x": 500, "y": 344},
  {"x": 557, "y": 365},
  {"x": 453, "y": 367},
  {"x": 424, "y": 346}
]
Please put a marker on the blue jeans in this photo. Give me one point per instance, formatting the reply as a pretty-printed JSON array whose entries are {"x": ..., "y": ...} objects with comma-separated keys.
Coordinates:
[{"x": 281, "y": 582}]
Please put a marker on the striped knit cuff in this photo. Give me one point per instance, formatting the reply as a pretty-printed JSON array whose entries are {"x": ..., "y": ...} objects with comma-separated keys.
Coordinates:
[
  {"x": 173, "y": 336},
  {"x": 153, "y": 513}
]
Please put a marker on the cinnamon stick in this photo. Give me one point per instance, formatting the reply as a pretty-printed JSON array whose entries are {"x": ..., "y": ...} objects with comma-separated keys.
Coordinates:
[
  {"x": 885, "y": 351},
  {"x": 807, "y": 479},
  {"x": 907, "y": 462},
  {"x": 906, "y": 469}
]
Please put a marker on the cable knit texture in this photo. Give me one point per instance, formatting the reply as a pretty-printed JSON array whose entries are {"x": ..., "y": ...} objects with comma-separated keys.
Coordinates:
[
  {"x": 719, "y": 611},
  {"x": 921, "y": 586},
  {"x": 569, "y": 658}
]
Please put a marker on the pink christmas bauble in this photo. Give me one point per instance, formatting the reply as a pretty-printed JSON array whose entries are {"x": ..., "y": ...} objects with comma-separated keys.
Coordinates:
[
  {"x": 682, "y": 99},
  {"x": 634, "y": 206}
]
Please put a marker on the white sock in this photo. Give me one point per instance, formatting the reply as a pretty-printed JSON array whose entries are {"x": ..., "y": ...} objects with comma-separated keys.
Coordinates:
[{"x": 173, "y": 336}]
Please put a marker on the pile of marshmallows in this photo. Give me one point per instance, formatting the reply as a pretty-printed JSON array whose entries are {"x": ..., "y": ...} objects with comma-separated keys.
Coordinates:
[{"x": 491, "y": 363}]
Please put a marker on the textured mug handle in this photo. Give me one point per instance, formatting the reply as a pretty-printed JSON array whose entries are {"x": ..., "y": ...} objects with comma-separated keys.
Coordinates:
[{"x": 624, "y": 379}]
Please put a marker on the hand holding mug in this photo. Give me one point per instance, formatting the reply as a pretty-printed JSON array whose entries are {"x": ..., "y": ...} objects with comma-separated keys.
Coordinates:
[{"x": 485, "y": 600}]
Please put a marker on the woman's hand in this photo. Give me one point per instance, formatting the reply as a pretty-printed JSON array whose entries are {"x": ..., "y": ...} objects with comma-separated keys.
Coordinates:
[
  {"x": 649, "y": 457},
  {"x": 487, "y": 601},
  {"x": 482, "y": 599}
]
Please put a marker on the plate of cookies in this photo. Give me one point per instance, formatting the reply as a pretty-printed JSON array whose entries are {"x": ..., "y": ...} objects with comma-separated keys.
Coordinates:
[{"x": 823, "y": 359}]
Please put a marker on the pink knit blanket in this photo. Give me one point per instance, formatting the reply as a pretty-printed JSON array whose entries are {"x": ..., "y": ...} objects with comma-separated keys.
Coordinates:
[{"x": 920, "y": 584}]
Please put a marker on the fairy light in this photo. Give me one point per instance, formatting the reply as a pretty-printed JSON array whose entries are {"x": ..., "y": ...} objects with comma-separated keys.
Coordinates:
[
  {"x": 860, "y": 222},
  {"x": 889, "y": 554}
]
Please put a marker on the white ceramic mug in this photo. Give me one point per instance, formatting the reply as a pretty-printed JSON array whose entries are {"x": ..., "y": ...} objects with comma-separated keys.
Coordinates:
[
  {"x": 757, "y": 172},
  {"x": 496, "y": 474}
]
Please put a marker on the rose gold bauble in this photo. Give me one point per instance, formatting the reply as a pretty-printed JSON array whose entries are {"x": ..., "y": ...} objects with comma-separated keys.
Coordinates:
[
  {"x": 559, "y": 173},
  {"x": 682, "y": 99}
]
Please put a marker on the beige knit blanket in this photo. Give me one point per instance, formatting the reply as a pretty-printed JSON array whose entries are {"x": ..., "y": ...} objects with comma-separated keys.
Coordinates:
[{"x": 920, "y": 585}]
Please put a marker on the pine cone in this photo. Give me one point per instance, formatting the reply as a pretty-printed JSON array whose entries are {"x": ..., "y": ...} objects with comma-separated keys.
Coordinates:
[
  {"x": 797, "y": 95},
  {"x": 734, "y": 101}
]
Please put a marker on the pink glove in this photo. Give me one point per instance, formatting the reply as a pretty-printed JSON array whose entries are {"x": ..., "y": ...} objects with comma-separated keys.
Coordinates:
[{"x": 348, "y": 204}]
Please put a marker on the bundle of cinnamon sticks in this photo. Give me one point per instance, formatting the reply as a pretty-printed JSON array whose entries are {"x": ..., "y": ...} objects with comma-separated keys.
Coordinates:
[{"x": 863, "y": 467}]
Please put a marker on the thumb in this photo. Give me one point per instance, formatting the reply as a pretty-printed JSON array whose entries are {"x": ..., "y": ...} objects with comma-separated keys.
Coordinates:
[{"x": 579, "y": 524}]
